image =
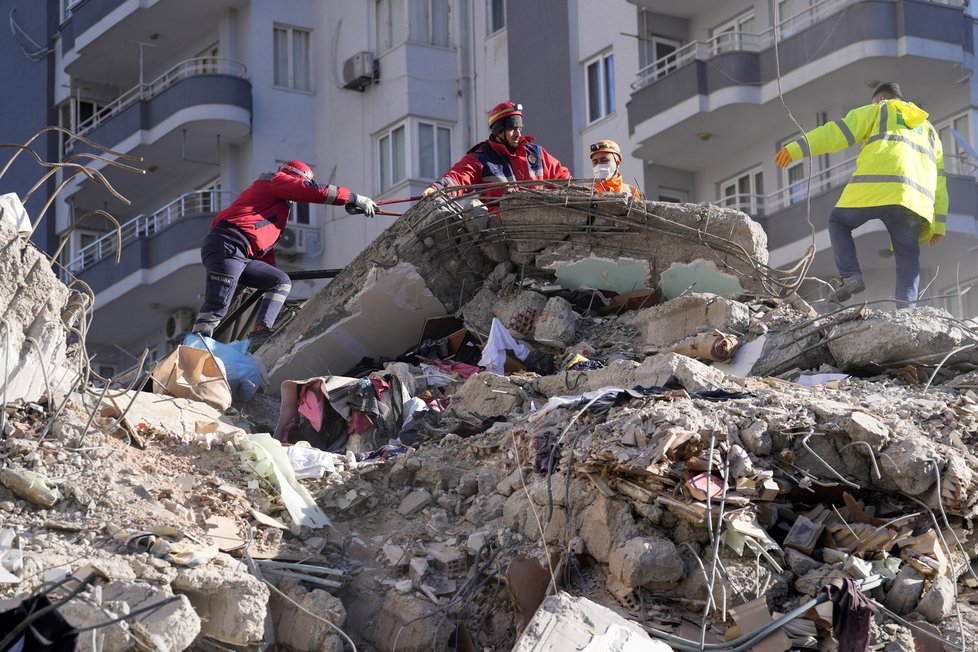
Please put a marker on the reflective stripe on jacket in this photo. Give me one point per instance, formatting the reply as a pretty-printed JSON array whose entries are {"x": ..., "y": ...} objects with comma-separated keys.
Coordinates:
[
  {"x": 901, "y": 161},
  {"x": 615, "y": 184},
  {"x": 258, "y": 215},
  {"x": 492, "y": 162}
]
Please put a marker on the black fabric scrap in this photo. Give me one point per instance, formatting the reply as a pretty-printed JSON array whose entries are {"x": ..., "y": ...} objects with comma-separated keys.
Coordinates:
[
  {"x": 48, "y": 633},
  {"x": 852, "y": 615}
]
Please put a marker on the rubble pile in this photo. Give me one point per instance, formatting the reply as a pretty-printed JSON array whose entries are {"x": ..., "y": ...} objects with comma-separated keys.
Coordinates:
[{"x": 555, "y": 431}]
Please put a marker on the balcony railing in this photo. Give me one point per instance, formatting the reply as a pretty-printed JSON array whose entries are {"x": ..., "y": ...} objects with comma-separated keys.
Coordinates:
[
  {"x": 791, "y": 194},
  {"x": 196, "y": 202},
  {"x": 744, "y": 41},
  {"x": 146, "y": 91}
]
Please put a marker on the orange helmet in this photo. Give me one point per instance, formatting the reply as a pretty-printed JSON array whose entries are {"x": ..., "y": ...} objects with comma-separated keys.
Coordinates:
[
  {"x": 608, "y": 147},
  {"x": 298, "y": 169},
  {"x": 505, "y": 115}
]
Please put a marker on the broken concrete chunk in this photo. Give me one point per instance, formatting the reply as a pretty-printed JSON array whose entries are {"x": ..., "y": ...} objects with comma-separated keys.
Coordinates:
[
  {"x": 557, "y": 324},
  {"x": 882, "y": 340},
  {"x": 564, "y": 623},
  {"x": 867, "y": 428},
  {"x": 486, "y": 395},
  {"x": 520, "y": 315},
  {"x": 909, "y": 463},
  {"x": 650, "y": 562},
  {"x": 664, "y": 325},
  {"x": 905, "y": 591},
  {"x": 937, "y": 602},
  {"x": 414, "y": 502},
  {"x": 230, "y": 601},
  {"x": 304, "y": 630},
  {"x": 173, "y": 626},
  {"x": 606, "y": 522}
]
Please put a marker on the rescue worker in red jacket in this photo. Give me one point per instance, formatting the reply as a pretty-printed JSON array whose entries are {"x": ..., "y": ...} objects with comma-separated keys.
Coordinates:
[
  {"x": 606, "y": 160},
  {"x": 507, "y": 156},
  {"x": 240, "y": 245}
]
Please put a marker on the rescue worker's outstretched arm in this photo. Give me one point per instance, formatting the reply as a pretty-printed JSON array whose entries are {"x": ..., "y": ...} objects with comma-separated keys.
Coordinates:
[
  {"x": 466, "y": 172},
  {"x": 831, "y": 137},
  {"x": 294, "y": 188}
]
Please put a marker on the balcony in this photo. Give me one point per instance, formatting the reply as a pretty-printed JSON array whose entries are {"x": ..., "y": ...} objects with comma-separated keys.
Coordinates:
[
  {"x": 706, "y": 86},
  {"x": 159, "y": 264},
  {"x": 176, "y": 122},
  {"x": 99, "y": 38}
]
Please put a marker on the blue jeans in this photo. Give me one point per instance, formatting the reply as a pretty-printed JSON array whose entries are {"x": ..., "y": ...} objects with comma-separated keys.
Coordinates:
[
  {"x": 227, "y": 265},
  {"x": 903, "y": 226}
]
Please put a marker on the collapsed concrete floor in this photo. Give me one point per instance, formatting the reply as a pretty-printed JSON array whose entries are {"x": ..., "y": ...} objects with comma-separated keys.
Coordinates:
[{"x": 695, "y": 464}]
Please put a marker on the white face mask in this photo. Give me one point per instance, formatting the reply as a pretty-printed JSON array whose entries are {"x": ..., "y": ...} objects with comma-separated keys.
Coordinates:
[{"x": 603, "y": 171}]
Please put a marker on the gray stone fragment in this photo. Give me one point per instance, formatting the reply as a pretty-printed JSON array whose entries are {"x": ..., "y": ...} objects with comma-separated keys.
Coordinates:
[
  {"x": 867, "y": 428},
  {"x": 651, "y": 562},
  {"x": 230, "y": 601},
  {"x": 414, "y": 502},
  {"x": 675, "y": 320},
  {"x": 557, "y": 324},
  {"x": 938, "y": 601},
  {"x": 905, "y": 592},
  {"x": 171, "y": 627}
]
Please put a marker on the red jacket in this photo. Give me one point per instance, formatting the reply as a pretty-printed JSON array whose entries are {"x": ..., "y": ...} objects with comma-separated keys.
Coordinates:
[
  {"x": 261, "y": 211},
  {"x": 492, "y": 162}
]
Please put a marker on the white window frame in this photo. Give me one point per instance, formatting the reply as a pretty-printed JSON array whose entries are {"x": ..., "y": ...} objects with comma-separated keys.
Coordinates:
[
  {"x": 605, "y": 92},
  {"x": 431, "y": 24},
  {"x": 491, "y": 6},
  {"x": 391, "y": 24},
  {"x": 751, "y": 202},
  {"x": 956, "y": 158},
  {"x": 291, "y": 83},
  {"x": 389, "y": 135},
  {"x": 439, "y": 165},
  {"x": 734, "y": 27}
]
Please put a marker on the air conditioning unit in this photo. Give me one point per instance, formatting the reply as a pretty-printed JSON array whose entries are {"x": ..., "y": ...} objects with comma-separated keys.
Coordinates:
[
  {"x": 359, "y": 71},
  {"x": 298, "y": 239},
  {"x": 178, "y": 323}
]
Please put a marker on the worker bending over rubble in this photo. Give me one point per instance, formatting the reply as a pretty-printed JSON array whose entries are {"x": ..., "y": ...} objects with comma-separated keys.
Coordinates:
[
  {"x": 899, "y": 179},
  {"x": 240, "y": 245},
  {"x": 506, "y": 156},
  {"x": 606, "y": 161}
]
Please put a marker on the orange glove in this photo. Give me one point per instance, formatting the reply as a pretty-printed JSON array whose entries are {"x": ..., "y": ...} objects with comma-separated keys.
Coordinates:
[
  {"x": 934, "y": 239},
  {"x": 782, "y": 159},
  {"x": 428, "y": 191}
]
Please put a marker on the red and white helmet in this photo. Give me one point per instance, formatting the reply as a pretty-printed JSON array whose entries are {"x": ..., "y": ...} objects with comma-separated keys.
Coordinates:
[
  {"x": 298, "y": 169},
  {"x": 505, "y": 115}
]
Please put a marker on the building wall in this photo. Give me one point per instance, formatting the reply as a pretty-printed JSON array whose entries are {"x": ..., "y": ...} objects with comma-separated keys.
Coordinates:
[{"x": 27, "y": 109}]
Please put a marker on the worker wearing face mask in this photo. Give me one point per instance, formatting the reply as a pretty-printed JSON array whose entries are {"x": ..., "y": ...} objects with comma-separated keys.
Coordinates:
[{"x": 606, "y": 160}]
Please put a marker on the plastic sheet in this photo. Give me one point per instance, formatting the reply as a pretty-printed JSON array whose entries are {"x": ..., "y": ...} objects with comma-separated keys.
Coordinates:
[{"x": 243, "y": 369}]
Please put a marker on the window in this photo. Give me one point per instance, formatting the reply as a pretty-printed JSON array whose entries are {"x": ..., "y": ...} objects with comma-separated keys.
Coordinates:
[
  {"x": 390, "y": 23},
  {"x": 434, "y": 149},
  {"x": 662, "y": 52},
  {"x": 391, "y": 154},
  {"x": 730, "y": 36},
  {"x": 600, "y": 86},
  {"x": 673, "y": 195},
  {"x": 497, "y": 15},
  {"x": 429, "y": 22},
  {"x": 292, "y": 58},
  {"x": 955, "y": 136},
  {"x": 86, "y": 238},
  {"x": 744, "y": 192}
]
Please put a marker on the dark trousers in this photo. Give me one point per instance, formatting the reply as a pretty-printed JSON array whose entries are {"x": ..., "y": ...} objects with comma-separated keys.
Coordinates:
[{"x": 227, "y": 265}]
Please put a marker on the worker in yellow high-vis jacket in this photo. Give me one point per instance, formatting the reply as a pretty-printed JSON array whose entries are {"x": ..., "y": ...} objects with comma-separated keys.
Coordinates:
[{"x": 899, "y": 179}]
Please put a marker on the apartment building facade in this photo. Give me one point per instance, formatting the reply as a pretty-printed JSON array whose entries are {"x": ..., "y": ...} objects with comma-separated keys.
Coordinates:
[{"x": 384, "y": 95}]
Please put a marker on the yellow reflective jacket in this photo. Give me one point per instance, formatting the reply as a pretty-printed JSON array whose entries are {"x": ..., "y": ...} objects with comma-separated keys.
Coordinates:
[{"x": 901, "y": 161}]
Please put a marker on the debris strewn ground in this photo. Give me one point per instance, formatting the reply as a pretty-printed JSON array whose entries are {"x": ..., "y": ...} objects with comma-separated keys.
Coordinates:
[{"x": 649, "y": 468}]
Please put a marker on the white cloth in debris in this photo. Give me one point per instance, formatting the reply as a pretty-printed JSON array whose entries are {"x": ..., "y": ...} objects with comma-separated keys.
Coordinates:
[
  {"x": 563, "y": 401},
  {"x": 494, "y": 352}
]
